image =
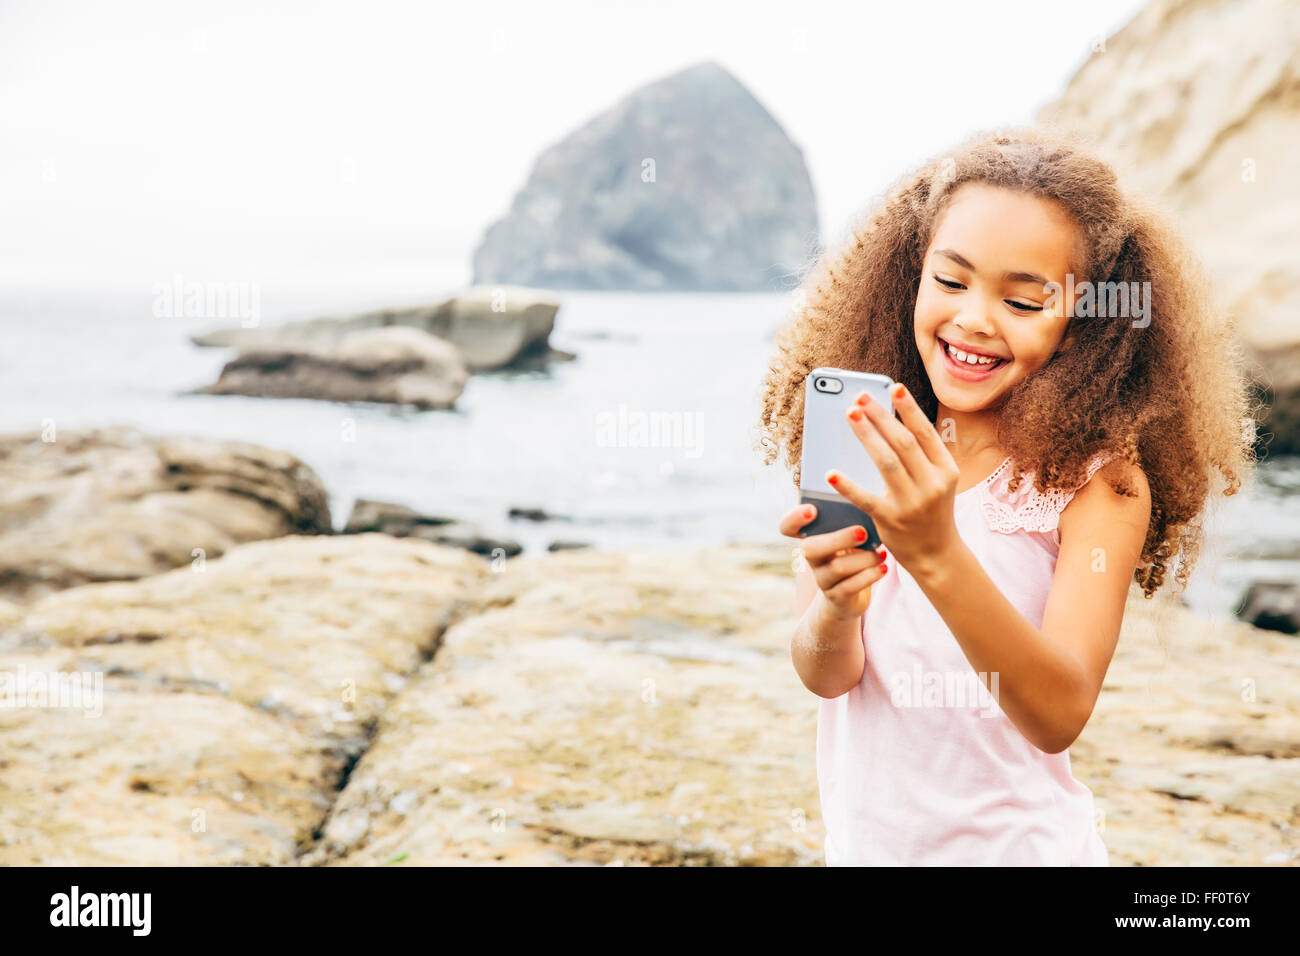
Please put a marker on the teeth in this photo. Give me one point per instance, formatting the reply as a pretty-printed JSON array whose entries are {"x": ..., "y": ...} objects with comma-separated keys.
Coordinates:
[{"x": 961, "y": 356}]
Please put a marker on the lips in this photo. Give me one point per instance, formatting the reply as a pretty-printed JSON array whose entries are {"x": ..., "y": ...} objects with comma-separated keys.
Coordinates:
[
  {"x": 966, "y": 371},
  {"x": 970, "y": 350}
]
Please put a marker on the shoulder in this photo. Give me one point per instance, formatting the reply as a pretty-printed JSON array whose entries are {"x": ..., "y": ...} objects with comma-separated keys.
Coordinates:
[
  {"x": 1098, "y": 502},
  {"x": 1052, "y": 511}
]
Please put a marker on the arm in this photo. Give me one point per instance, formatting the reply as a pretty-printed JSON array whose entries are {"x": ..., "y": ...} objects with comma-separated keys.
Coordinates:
[
  {"x": 1049, "y": 680},
  {"x": 826, "y": 650}
]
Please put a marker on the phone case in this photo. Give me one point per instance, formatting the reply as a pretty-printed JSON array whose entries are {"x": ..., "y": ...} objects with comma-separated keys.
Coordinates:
[{"x": 829, "y": 442}]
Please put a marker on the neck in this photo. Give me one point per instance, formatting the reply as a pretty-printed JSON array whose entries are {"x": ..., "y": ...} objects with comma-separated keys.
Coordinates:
[{"x": 970, "y": 434}]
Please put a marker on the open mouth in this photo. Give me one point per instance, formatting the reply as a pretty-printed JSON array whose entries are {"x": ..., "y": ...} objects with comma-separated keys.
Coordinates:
[{"x": 972, "y": 367}]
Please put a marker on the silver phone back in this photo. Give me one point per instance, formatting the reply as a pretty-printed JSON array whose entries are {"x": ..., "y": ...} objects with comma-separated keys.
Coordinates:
[
  {"x": 829, "y": 442},
  {"x": 828, "y": 438}
]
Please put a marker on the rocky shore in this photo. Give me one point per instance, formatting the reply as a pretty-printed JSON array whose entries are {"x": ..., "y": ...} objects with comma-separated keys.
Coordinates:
[
  {"x": 115, "y": 504},
  {"x": 1210, "y": 137},
  {"x": 365, "y": 699}
]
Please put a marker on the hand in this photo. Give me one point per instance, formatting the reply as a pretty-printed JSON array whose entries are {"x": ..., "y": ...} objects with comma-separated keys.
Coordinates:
[
  {"x": 843, "y": 571},
  {"x": 915, "y": 516}
]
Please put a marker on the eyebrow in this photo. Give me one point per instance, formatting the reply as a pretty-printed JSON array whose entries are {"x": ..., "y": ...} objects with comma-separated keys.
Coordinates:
[{"x": 1007, "y": 276}]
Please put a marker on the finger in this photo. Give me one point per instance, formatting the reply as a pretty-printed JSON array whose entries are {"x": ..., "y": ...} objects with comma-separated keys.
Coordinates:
[
  {"x": 888, "y": 463},
  {"x": 873, "y": 505},
  {"x": 842, "y": 566},
  {"x": 818, "y": 548},
  {"x": 910, "y": 414},
  {"x": 899, "y": 437},
  {"x": 852, "y": 585},
  {"x": 796, "y": 518}
]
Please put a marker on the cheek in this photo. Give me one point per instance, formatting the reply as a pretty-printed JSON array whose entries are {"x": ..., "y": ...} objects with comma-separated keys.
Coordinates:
[
  {"x": 925, "y": 296},
  {"x": 1030, "y": 354},
  {"x": 926, "y": 312}
]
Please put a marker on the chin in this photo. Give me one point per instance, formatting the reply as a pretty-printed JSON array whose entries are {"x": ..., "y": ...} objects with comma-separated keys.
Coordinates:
[{"x": 967, "y": 403}]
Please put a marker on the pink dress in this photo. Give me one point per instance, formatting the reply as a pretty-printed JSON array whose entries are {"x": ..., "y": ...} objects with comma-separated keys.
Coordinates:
[{"x": 917, "y": 765}]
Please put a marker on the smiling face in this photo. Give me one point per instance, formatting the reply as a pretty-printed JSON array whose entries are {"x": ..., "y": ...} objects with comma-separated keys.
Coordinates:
[{"x": 982, "y": 288}]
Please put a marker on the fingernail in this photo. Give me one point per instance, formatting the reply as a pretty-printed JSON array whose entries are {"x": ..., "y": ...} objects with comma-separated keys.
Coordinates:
[
  {"x": 884, "y": 569},
  {"x": 863, "y": 398},
  {"x": 882, "y": 552},
  {"x": 860, "y": 534},
  {"x": 833, "y": 478},
  {"x": 898, "y": 390},
  {"x": 855, "y": 415},
  {"x": 808, "y": 512}
]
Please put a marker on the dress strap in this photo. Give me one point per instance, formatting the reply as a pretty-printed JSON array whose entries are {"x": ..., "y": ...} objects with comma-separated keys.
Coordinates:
[{"x": 1027, "y": 508}]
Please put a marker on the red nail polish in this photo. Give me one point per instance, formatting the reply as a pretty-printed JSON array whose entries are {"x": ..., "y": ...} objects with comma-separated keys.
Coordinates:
[
  {"x": 884, "y": 569},
  {"x": 860, "y": 534},
  {"x": 855, "y": 415},
  {"x": 898, "y": 390},
  {"x": 807, "y": 512},
  {"x": 864, "y": 398},
  {"x": 833, "y": 479}
]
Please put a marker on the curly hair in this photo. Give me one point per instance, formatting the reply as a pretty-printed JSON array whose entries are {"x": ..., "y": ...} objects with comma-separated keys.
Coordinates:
[{"x": 1171, "y": 398}]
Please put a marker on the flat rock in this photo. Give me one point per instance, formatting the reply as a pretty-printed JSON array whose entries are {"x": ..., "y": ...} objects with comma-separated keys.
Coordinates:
[
  {"x": 622, "y": 707},
  {"x": 234, "y": 699},
  {"x": 371, "y": 700},
  {"x": 116, "y": 504},
  {"x": 492, "y": 327},
  {"x": 1191, "y": 751},
  {"x": 640, "y": 708},
  {"x": 397, "y": 365}
]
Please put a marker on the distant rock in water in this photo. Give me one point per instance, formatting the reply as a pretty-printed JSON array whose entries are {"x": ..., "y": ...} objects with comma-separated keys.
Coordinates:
[
  {"x": 402, "y": 522},
  {"x": 494, "y": 327},
  {"x": 535, "y": 514},
  {"x": 398, "y": 365},
  {"x": 1196, "y": 104},
  {"x": 560, "y": 544},
  {"x": 387, "y": 518},
  {"x": 116, "y": 504},
  {"x": 1272, "y": 605},
  {"x": 685, "y": 184}
]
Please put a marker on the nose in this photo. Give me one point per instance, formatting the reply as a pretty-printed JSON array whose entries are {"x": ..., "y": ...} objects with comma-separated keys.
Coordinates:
[{"x": 974, "y": 318}]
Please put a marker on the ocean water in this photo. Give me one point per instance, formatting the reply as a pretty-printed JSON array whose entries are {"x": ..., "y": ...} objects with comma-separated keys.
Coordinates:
[{"x": 646, "y": 439}]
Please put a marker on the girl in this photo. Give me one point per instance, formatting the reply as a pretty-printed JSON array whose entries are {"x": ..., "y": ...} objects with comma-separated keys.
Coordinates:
[{"x": 1003, "y": 563}]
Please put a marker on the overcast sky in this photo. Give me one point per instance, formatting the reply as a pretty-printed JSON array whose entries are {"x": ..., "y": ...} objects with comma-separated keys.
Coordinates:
[{"x": 303, "y": 141}]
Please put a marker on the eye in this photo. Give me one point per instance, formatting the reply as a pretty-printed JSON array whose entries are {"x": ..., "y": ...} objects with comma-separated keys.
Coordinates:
[{"x": 1019, "y": 306}]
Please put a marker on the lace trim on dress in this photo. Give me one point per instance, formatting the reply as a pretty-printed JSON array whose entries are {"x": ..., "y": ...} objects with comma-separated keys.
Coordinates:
[{"x": 1026, "y": 508}]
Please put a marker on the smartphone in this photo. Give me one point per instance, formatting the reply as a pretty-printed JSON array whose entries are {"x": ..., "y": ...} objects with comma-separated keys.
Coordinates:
[{"x": 829, "y": 442}]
